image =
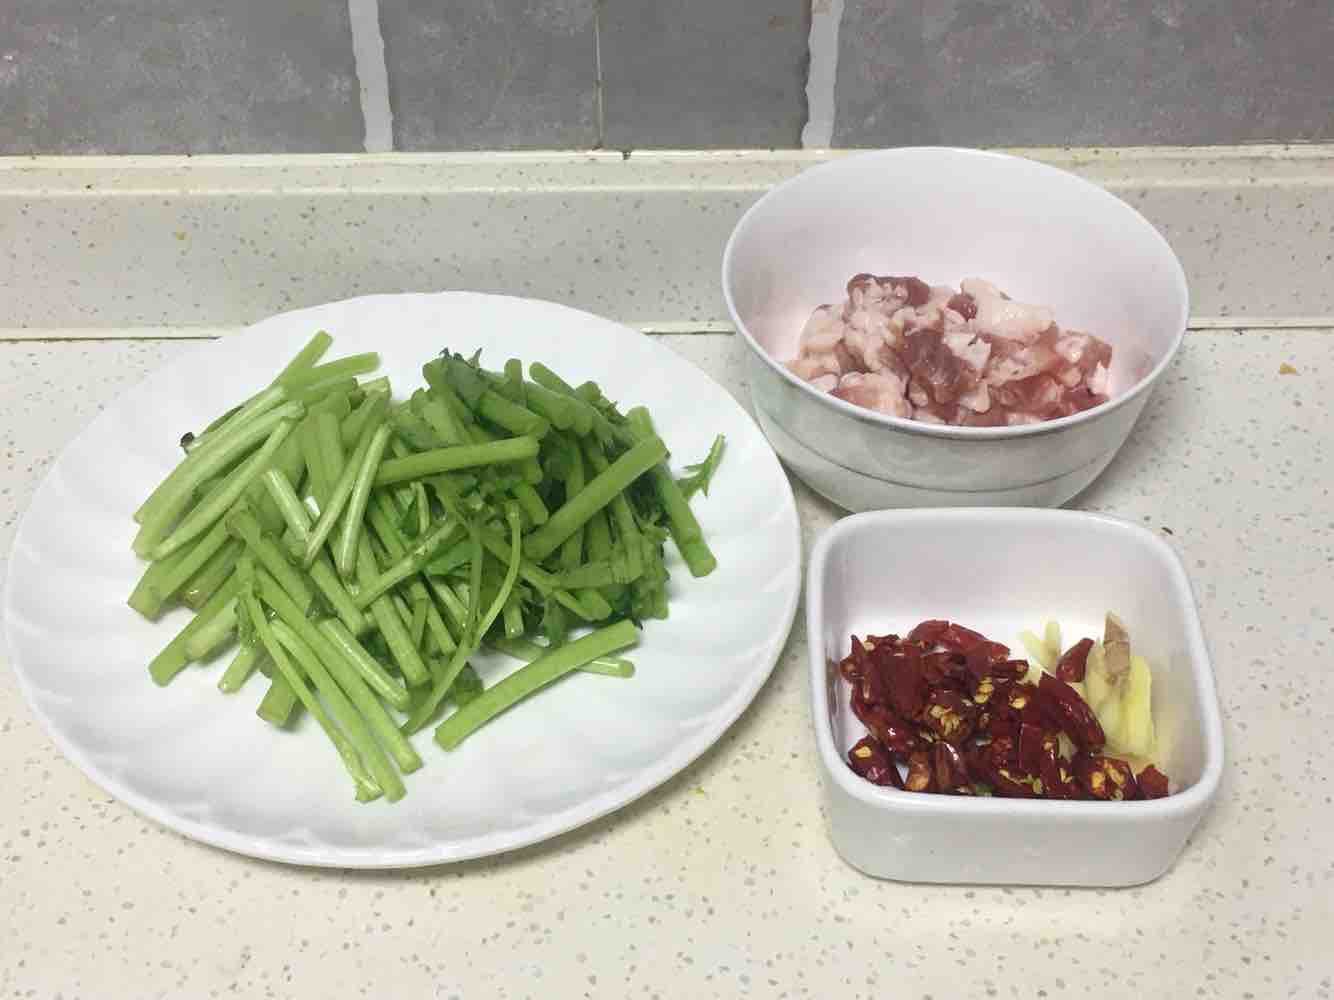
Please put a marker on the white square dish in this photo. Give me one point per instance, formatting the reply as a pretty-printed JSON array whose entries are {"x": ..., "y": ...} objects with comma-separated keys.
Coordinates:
[{"x": 1002, "y": 570}]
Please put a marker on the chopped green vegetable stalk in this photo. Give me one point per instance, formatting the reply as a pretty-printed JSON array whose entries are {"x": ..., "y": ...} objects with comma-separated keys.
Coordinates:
[
  {"x": 331, "y": 449},
  {"x": 244, "y": 663},
  {"x": 630, "y": 551},
  {"x": 337, "y": 634},
  {"x": 177, "y": 491},
  {"x": 408, "y": 564},
  {"x": 242, "y": 523},
  {"x": 548, "y": 379},
  {"x": 513, "y": 382},
  {"x": 386, "y": 619},
  {"x": 367, "y": 785},
  {"x": 599, "y": 492},
  {"x": 512, "y": 617},
  {"x": 293, "y": 511},
  {"x": 478, "y": 627},
  {"x": 572, "y": 549},
  {"x": 317, "y": 478},
  {"x": 321, "y": 570},
  {"x": 199, "y": 588},
  {"x": 173, "y": 658},
  {"x": 429, "y": 463},
  {"x": 217, "y": 502},
  {"x": 531, "y": 504},
  {"x": 345, "y": 551},
  {"x": 345, "y": 712},
  {"x": 532, "y": 677},
  {"x": 256, "y": 406},
  {"x": 441, "y": 420},
  {"x": 374, "y": 405},
  {"x": 416, "y": 619},
  {"x": 164, "y": 578},
  {"x": 308, "y": 357},
  {"x": 344, "y": 673},
  {"x": 526, "y": 650},
  {"x": 685, "y": 529},
  {"x": 213, "y": 633},
  {"x": 352, "y": 365},
  {"x": 338, "y": 495},
  {"x": 469, "y": 638},
  {"x": 279, "y": 702}
]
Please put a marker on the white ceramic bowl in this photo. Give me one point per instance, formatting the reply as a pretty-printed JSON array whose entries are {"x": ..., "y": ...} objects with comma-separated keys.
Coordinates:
[
  {"x": 1001, "y": 570},
  {"x": 1039, "y": 233}
]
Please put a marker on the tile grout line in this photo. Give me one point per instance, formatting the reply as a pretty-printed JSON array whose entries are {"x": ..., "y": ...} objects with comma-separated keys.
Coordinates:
[
  {"x": 600, "y": 109},
  {"x": 372, "y": 75},
  {"x": 822, "y": 74}
]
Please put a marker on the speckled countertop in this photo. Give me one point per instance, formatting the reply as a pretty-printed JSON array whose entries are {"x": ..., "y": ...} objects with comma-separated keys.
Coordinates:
[{"x": 723, "y": 883}]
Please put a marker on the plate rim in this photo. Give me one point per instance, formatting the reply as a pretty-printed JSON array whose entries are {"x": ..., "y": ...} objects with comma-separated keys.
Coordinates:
[{"x": 639, "y": 784}]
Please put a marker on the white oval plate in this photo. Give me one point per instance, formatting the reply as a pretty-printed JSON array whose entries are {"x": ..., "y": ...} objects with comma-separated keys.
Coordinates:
[{"x": 201, "y": 763}]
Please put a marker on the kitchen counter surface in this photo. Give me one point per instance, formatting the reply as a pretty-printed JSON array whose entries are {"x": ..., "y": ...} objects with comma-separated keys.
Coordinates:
[{"x": 723, "y": 882}]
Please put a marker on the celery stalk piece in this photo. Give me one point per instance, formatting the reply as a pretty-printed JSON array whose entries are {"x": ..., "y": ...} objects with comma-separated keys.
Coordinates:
[
  {"x": 213, "y": 506},
  {"x": 173, "y": 658},
  {"x": 243, "y": 665},
  {"x": 531, "y": 678},
  {"x": 345, "y": 549},
  {"x": 174, "y": 494},
  {"x": 364, "y": 781},
  {"x": 681, "y": 520},
  {"x": 599, "y": 492},
  {"x": 339, "y": 495},
  {"x": 279, "y": 702},
  {"x": 429, "y": 463}
]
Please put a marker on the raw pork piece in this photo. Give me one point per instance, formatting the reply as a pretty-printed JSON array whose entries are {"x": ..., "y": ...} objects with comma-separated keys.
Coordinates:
[{"x": 970, "y": 356}]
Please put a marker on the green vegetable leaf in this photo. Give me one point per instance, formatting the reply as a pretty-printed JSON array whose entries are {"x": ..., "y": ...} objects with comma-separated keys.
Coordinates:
[{"x": 699, "y": 475}]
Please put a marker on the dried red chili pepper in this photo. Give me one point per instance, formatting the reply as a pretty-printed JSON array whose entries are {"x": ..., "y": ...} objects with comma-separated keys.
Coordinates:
[
  {"x": 1070, "y": 667},
  {"x": 1021, "y": 704},
  {"x": 1009, "y": 670},
  {"x": 1033, "y": 741},
  {"x": 874, "y": 687},
  {"x": 1058, "y": 782},
  {"x": 960, "y": 639},
  {"x": 1010, "y": 782},
  {"x": 984, "y": 657},
  {"x": 1104, "y": 778},
  {"x": 1152, "y": 783},
  {"x": 945, "y": 669},
  {"x": 949, "y": 770},
  {"x": 950, "y": 716},
  {"x": 872, "y": 761},
  {"x": 889, "y": 730},
  {"x": 966, "y": 722},
  {"x": 1070, "y": 713},
  {"x": 929, "y": 631},
  {"x": 907, "y": 688},
  {"x": 920, "y": 777}
]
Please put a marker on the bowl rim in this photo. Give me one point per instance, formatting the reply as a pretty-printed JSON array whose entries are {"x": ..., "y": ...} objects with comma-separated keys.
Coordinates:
[
  {"x": 950, "y": 431},
  {"x": 1188, "y": 802}
]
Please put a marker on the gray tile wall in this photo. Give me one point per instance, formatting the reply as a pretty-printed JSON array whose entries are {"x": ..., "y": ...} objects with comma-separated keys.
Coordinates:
[
  {"x": 491, "y": 74},
  {"x": 1084, "y": 72},
  {"x": 240, "y": 76},
  {"x": 177, "y": 76},
  {"x": 704, "y": 73}
]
